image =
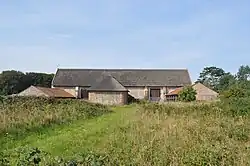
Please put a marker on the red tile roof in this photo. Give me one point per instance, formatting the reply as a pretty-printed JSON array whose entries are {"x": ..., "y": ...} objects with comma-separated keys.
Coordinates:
[
  {"x": 175, "y": 92},
  {"x": 55, "y": 92}
]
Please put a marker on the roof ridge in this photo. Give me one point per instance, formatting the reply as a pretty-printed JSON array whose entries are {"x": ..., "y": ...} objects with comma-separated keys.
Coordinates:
[
  {"x": 126, "y": 77},
  {"x": 124, "y": 69}
]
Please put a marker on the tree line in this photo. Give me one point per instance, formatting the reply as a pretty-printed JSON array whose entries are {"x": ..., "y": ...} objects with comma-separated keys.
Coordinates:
[
  {"x": 12, "y": 82},
  {"x": 220, "y": 80},
  {"x": 229, "y": 86}
]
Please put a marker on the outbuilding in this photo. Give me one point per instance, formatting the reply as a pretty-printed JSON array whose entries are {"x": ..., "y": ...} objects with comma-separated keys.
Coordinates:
[
  {"x": 37, "y": 91},
  {"x": 108, "y": 91}
]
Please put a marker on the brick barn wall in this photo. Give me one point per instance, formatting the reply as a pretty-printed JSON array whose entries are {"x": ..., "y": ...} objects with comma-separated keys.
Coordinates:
[{"x": 110, "y": 98}]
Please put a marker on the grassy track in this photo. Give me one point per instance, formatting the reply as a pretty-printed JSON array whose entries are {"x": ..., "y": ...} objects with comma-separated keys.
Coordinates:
[
  {"x": 82, "y": 135},
  {"x": 150, "y": 134}
]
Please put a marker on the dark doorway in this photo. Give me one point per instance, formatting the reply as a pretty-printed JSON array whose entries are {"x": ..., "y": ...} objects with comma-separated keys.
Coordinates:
[
  {"x": 84, "y": 94},
  {"x": 155, "y": 94}
]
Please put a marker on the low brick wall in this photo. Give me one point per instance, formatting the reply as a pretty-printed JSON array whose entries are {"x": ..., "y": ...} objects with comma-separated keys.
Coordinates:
[{"x": 110, "y": 98}]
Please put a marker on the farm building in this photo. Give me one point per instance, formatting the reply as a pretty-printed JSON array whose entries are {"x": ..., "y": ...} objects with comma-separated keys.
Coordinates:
[
  {"x": 112, "y": 86},
  {"x": 173, "y": 95},
  {"x": 203, "y": 93},
  {"x": 108, "y": 91},
  {"x": 45, "y": 92}
]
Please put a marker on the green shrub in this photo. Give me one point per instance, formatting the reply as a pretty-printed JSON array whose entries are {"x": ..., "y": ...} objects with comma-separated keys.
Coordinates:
[
  {"x": 4, "y": 159},
  {"x": 21, "y": 114},
  {"x": 236, "y": 106},
  {"x": 236, "y": 100},
  {"x": 34, "y": 157},
  {"x": 180, "y": 108},
  {"x": 187, "y": 94},
  {"x": 234, "y": 92},
  {"x": 2, "y": 98}
]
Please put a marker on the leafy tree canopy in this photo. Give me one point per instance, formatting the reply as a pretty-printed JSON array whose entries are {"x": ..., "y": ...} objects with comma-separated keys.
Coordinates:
[
  {"x": 12, "y": 82},
  {"x": 210, "y": 77},
  {"x": 187, "y": 94},
  {"x": 243, "y": 73}
]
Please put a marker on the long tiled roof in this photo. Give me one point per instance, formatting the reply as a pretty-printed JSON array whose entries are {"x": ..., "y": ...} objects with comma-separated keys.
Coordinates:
[{"x": 127, "y": 77}]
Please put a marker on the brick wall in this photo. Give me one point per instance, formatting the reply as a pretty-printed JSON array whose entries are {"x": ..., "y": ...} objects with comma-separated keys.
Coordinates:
[{"x": 110, "y": 98}]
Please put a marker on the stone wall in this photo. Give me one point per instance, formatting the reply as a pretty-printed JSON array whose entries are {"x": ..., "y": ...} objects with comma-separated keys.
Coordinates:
[
  {"x": 142, "y": 92},
  {"x": 137, "y": 92},
  {"x": 72, "y": 90},
  {"x": 204, "y": 93},
  {"x": 110, "y": 98}
]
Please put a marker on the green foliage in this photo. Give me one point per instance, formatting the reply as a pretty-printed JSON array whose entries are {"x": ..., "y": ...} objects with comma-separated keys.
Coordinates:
[
  {"x": 21, "y": 114},
  {"x": 29, "y": 156},
  {"x": 12, "y": 82},
  {"x": 175, "y": 133},
  {"x": 225, "y": 82},
  {"x": 4, "y": 159},
  {"x": 243, "y": 73},
  {"x": 2, "y": 99},
  {"x": 234, "y": 91},
  {"x": 34, "y": 157},
  {"x": 237, "y": 106},
  {"x": 210, "y": 77},
  {"x": 236, "y": 99},
  {"x": 180, "y": 108},
  {"x": 187, "y": 94}
]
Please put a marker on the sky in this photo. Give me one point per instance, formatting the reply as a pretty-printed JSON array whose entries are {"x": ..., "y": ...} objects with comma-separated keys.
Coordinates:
[{"x": 41, "y": 36}]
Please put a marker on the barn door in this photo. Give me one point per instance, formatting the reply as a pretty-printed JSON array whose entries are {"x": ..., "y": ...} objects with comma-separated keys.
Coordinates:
[
  {"x": 84, "y": 94},
  {"x": 155, "y": 94}
]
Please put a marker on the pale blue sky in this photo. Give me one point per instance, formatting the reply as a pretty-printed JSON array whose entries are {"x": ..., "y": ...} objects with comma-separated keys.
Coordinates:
[{"x": 44, "y": 34}]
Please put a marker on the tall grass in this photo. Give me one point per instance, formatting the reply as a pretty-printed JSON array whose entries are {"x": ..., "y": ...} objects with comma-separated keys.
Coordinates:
[
  {"x": 171, "y": 134},
  {"x": 183, "y": 134},
  {"x": 18, "y": 115}
]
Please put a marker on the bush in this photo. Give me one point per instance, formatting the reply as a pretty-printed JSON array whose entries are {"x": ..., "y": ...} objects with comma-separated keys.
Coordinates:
[
  {"x": 234, "y": 92},
  {"x": 34, "y": 156},
  {"x": 2, "y": 99},
  {"x": 236, "y": 106},
  {"x": 179, "y": 108},
  {"x": 187, "y": 94},
  {"x": 236, "y": 100},
  {"x": 27, "y": 113}
]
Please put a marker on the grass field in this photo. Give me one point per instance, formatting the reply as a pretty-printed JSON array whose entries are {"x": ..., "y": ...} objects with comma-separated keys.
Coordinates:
[{"x": 146, "y": 134}]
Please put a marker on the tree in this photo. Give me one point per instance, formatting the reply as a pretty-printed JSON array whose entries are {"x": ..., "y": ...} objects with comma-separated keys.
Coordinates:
[
  {"x": 39, "y": 79},
  {"x": 210, "y": 77},
  {"x": 187, "y": 94},
  {"x": 243, "y": 73},
  {"x": 12, "y": 81},
  {"x": 226, "y": 81}
]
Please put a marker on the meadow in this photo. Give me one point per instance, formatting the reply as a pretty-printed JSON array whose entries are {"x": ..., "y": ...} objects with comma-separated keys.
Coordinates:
[{"x": 72, "y": 132}]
